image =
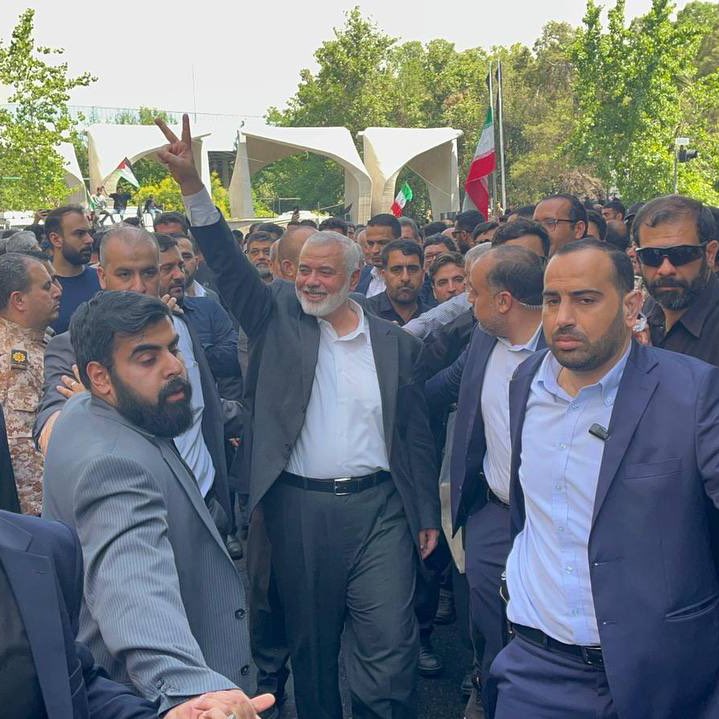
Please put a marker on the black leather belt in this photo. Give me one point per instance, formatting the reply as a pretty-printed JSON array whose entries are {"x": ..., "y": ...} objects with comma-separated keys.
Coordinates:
[
  {"x": 492, "y": 497},
  {"x": 340, "y": 486},
  {"x": 589, "y": 655}
]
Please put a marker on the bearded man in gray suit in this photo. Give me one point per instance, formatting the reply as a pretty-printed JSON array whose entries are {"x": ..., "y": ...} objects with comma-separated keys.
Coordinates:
[{"x": 163, "y": 606}]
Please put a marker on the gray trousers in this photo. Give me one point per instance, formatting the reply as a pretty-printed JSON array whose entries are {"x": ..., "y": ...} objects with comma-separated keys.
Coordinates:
[{"x": 346, "y": 564}]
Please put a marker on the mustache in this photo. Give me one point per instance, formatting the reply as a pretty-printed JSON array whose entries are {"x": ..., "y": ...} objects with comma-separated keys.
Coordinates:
[
  {"x": 568, "y": 335},
  {"x": 176, "y": 384},
  {"x": 669, "y": 282}
]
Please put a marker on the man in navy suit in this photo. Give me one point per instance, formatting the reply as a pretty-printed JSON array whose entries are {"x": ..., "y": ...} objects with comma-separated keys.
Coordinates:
[
  {"x": 506, "y": 293},
  {"x": 612, "y": 578}
]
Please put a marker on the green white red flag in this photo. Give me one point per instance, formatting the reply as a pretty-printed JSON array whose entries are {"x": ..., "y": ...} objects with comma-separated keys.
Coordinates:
[
  {"x": 403, "y": 197},
  {"x": 124, "y": 169},
  {"x": 483, "y": 165}
]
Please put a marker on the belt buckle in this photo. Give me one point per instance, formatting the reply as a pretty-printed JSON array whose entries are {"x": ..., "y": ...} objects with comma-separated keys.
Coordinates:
[
  {"x": 593, "y": 657},
  {"x": 338, "y": 483}
]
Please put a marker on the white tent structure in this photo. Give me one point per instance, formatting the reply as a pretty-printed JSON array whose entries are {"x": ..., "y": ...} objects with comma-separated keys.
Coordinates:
[
  {"x": 258, "y": 147},
  {"x": 73, "y": 175},
  {"x": 109, "y": 145},
  {"x": 429, "y": 152}
]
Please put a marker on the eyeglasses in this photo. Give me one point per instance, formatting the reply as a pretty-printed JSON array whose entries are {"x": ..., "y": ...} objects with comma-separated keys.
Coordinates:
[
  {"x": 677, "y": 255},
  {"x": 551, "y": 222}
]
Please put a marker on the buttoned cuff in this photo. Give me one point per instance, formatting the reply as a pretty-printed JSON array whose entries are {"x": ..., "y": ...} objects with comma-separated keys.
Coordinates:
[{"x": 200, "y": 209}]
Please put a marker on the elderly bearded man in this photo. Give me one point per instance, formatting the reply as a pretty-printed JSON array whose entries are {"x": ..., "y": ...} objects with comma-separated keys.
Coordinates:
[{"x": 342, "y": 462}]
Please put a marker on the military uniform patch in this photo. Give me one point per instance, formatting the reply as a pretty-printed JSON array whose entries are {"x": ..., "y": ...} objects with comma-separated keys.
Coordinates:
[{"x": 19, "y": 359}]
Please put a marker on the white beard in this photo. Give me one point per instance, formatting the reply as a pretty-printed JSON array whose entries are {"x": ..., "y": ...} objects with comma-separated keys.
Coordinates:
[{"x": 328, "y": 305}]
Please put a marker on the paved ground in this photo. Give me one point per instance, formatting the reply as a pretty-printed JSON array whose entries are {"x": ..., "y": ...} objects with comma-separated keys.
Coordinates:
[{"x": 439, "y": 698}]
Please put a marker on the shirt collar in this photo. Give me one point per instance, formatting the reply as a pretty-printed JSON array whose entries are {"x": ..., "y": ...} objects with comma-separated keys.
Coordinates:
[
  {"x": 548, "y": 376},
  {"x": 327, "y": 328},
  {"x": 376, "y": 273},
  {"x": 529, "y": 346}
]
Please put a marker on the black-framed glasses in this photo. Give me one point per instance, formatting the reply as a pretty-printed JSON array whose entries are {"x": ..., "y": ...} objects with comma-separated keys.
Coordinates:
[
  {"x": 677, "y": 255},
  {"x": 551, "y": 222}
]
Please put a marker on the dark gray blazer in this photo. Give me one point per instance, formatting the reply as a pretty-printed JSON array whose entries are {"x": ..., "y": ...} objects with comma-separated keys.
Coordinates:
[
  {"x": 283, "y": 355},
  {"x": 164, "y": 607},
  {"x": 59, "y": 359}
]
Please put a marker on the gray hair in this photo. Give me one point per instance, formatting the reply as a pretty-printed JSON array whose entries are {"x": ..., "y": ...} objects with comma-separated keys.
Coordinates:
[
  {"x": 14, "y": 275},
  {"x": 474, "y": 253},
  {"x": 129, "y": 234},
  {"x": 22, "y": 241},
  {"x": 351, "y": 251}
]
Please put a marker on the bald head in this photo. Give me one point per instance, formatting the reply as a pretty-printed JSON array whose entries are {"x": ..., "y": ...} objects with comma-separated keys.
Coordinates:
[
  {"x": 125, "y": 236},
  {"x": 289, "y": 247}
]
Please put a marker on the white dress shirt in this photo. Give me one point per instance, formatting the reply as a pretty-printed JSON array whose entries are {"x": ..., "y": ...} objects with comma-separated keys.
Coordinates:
[
  {"x": 503, "y": 361},
  {"x": 343, "y": 433},
  {"x": 376, "y": 284},
  {"x": 196, "y": 290},
  {"x": 548, "y": 574},
  {"x": 438, "y": 316},
  {"x": 191, "y": 444}
]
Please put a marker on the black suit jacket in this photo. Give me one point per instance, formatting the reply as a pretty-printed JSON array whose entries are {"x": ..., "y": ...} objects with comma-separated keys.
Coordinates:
[
  {"x": 43, "y": 563},
  {"x": 8, "y": 489},
  {"x": 284, "y": 346},
  {"x": 59, "y": 358}
]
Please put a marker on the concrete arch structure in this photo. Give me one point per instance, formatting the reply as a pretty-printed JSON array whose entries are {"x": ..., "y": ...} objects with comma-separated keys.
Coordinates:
[
  {"x": 73, "y": 175},
  {"x": 429, "y": 152},
  {"x": 258, "y": 147},
  {"x": 109, "y": 145}
]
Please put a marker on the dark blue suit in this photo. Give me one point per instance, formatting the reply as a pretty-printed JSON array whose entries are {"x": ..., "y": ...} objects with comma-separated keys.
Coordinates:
[
  {"x": 364, "y": 280},
  {"x": 43, "y": 563},
  {"x": 652, "y": 547}
]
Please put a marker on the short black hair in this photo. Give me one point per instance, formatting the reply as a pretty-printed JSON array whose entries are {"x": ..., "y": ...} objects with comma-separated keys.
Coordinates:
[
  {"x": 577, "y": 210},
  {"x": 95, "y": 324},
  {"x": 384, "y": 219},
  {"x": 165, "y": 242},
  {"x": 468, "y": 220},
  {"x": 271, "y": 228},
  {"x": 53, "y": 221},
  {"x": 14, "y": 274},
  {"x": 434, "y": 228},
  {"x": 518, "y": 271},
  {"x": 446, "y": 258},
  {"x": 623, "y": 271},
  {"x": 134, "y": 221},
  {"x": 523, "y": 211},
  {"x": 337, "y": 224},
  {"x": 616, "y": 205},
  {"x": 612, "y": 236},
  {"x": 409, "y": 222},
  {"x": 483, "y": 227},
  {"x": 441, "y": 239},
  {"x": 671, "y": 208},
  {"x": 407, "y": 247},
  {"x": 513, "y": 230},
  {"x": 308, "y": 223},
  {"x": 182, "y": 236},
  {"x": 165, "y": 218},
  {"x": 599, "y": 221},
  {"x": 258, "y": 236}
]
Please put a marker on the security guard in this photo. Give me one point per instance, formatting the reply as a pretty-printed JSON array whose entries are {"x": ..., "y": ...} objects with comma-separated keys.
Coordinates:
[{"x": 29, "y": 302}]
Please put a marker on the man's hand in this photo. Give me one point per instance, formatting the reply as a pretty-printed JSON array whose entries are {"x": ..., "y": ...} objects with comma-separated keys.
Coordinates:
[
  {"x": 172, "y": 305},
  {"x": 71, "y": 385},
  {"x": 219, "y": 705},
  {"x": 177, "y": 157},
  {"x": 428, "y": 539}
]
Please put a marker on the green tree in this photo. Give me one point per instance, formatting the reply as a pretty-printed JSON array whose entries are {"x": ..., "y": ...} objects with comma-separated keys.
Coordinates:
[
  {"x": 32, "y": 172},
  {"x": 166, "y": 194}
]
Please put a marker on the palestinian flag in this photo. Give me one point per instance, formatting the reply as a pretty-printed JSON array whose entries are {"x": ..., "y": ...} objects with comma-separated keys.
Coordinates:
[
  {"x": 403, "y": 197},
  {"x": 483, "y": 165},
  {"x": 124, "y": 170}
]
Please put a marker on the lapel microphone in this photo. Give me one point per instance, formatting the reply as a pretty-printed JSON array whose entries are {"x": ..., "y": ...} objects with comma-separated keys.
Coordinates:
[{"x": 599, "y": 432}]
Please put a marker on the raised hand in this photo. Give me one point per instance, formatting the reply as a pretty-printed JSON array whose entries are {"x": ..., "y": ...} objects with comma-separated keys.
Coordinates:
[{"x": 177, "y": 157}]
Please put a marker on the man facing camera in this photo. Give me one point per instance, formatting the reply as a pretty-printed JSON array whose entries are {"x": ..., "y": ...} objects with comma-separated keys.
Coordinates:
[{"x": 164, "y": 605}]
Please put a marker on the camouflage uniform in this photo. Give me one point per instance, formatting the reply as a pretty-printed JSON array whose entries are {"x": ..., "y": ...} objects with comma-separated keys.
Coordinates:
[{"x": 22, "y": 352}]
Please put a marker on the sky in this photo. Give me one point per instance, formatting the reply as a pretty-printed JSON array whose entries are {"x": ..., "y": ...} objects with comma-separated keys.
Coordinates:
[{"x": 239, "y": 57}]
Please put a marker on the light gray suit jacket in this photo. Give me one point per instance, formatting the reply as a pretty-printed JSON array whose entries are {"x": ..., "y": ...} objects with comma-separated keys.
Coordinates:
[{"x": 164, "y": 607}]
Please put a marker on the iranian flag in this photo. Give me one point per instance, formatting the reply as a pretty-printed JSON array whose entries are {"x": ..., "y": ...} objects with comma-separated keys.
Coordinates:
[
  {"x": 403, "y": 197},
  {"x": 483, "y": 165},
  {"x": 124, "y": 170}
]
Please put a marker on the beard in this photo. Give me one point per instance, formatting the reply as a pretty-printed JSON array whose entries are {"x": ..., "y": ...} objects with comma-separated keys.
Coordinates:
[
  {"x": 162, "y": 419},
  {"x": 675, "y": 294},
  {"x": 590, "y": 355},
  {"x": 328, "y": 305},
  {"x": 74, "y": 257}
]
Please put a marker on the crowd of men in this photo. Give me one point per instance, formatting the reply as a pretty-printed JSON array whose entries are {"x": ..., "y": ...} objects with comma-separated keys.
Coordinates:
[{"x": 510, "y": 424}]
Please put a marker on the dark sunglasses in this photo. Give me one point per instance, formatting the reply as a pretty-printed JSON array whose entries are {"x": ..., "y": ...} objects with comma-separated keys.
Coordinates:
[{"x": 677, "y": 255}]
